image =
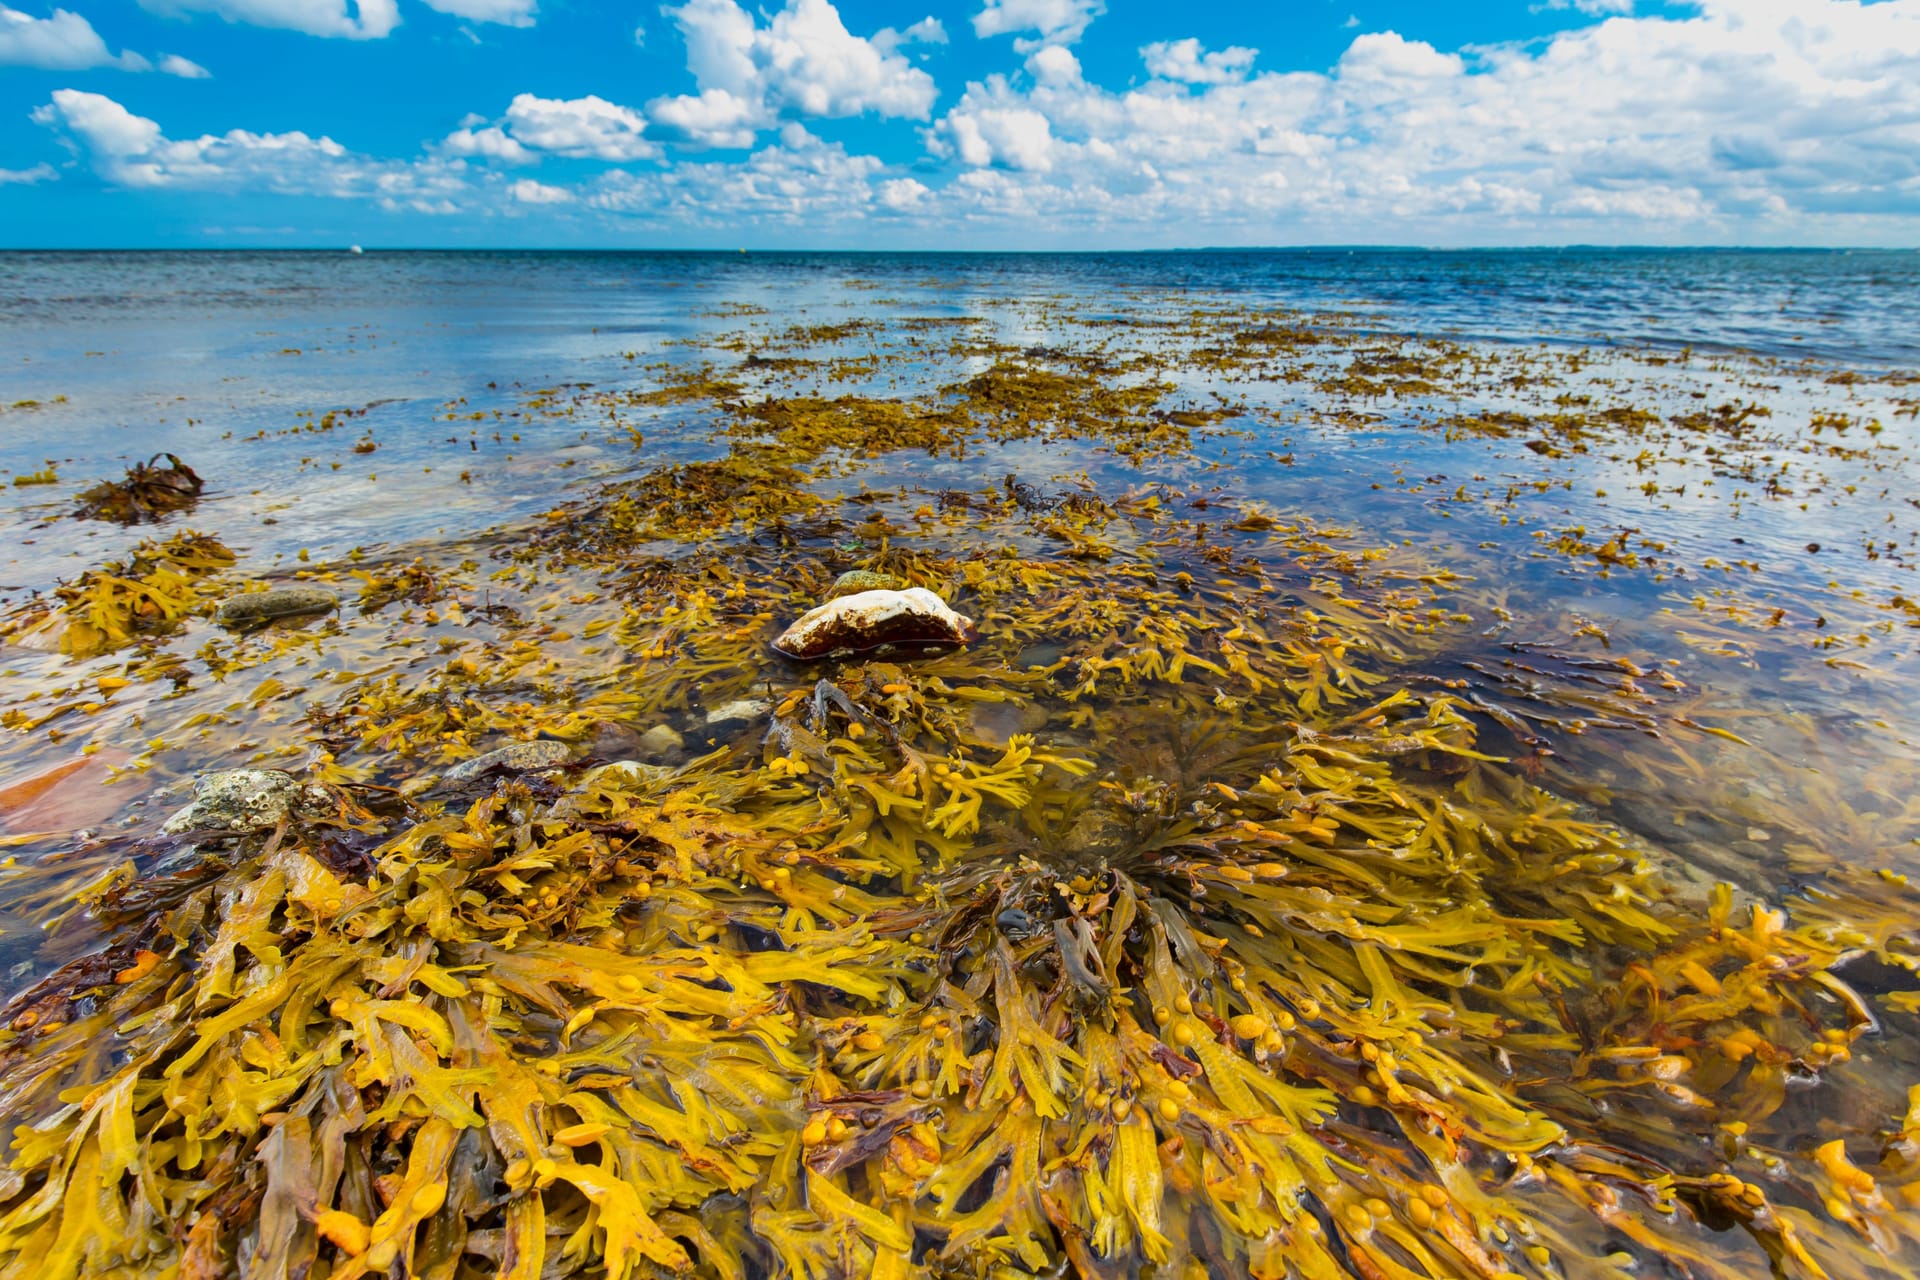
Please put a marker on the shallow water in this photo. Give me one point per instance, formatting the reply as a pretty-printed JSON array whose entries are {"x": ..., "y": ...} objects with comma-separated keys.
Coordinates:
[{"x": 1644, "y": 522}]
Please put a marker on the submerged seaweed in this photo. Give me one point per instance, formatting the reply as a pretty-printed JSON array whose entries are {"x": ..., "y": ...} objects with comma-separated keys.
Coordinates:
[{"x": 1202, "y": 917}]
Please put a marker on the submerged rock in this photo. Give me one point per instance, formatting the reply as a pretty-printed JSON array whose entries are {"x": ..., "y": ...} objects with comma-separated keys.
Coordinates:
[
  {"x": 661, "y": 740},
  {"x": 874, "y": 619},
  {"x": 626, "y": 773},
  {"x": 523, "y": 757},
  {"x": 857, "y": 580},
  {"x": 739, "y": 710},
  {"x": 275, "y": 602},
  {"x": 244, "y": 800}
]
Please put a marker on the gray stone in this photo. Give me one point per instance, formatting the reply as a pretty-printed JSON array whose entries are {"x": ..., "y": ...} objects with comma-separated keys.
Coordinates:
[
  {"x": 244, "y": 800},
  {"x": 275, "y": 602},
  {"x": 524, "y": 757}
]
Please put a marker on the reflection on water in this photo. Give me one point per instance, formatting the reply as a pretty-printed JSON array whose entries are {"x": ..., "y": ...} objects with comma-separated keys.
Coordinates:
[{"x": 1430, "y": 795}]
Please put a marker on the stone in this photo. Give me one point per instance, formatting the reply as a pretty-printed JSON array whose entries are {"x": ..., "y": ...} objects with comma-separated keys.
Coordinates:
[
  {"x": 854, "y": 581},
  {"x": 522, "y": 757},
  {"x": 661, "y": 740},
  {"x": 914, "y": 618},
  {"x": 275, "y": 602},
  {"x": 740, "y": 709},
  {"x": 627, "y": 773},
  {"x": 240, "y": 801}
]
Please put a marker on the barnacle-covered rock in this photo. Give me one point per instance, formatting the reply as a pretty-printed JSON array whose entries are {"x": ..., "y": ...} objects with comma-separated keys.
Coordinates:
[
  {"x": 522, "y": 757},
  {"x": 240, "y": 801},
  {"x": 275, "y": 602},
  {"x": 873, "y": 619}
]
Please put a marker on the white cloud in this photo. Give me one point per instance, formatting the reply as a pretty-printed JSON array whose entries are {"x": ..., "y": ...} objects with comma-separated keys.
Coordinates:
[
  {"x": 131, "y": 151},
  {"x": 187, "y": 69},
  {"x": 350, "y": 19},
  {"x": 711, "y": 118},
  {"x": 507, "y": 13},
  {"x": 1386, "y": 55},
  {"x": 902, "y": 194},
  {"x": 28, "y": 177},
  {"x": 65, "y": 41},
  {"x": 983, "y": 134},
  {"x": 803, "y": 182},
  {"x": 584, "y": 128},
  {"x": 1736, "y": 120},
  {"x": 527, "y": 191},
  {"x": 491, "y": 143},
  {"x": 1186, "y": 61},
  {"x": 1054, "y": 64},
  {"x": 803, "y": 62},
  {"x": 926, "y": 31},
  {"x": 1054, "y": 21},
  {"x": 1744, "y": 117}
]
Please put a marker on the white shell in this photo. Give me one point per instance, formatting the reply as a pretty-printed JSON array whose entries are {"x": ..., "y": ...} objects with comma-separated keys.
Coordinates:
[{"x": 869, "y": 619}]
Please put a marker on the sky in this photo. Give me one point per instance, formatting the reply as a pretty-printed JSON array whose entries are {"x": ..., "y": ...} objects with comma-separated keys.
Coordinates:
[{"x": 935, "y": 124}]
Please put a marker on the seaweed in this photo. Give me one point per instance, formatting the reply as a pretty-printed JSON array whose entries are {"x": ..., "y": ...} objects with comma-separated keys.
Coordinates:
[
  {"x": 1228, "y": 907},
  {"x": 147, "y": 494}
]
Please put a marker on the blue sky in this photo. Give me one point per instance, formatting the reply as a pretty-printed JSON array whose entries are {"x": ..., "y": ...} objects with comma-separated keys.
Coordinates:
[{"x": 990, "y": 123}]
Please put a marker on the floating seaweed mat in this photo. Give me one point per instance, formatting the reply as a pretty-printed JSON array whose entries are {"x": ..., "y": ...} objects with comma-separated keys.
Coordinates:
[{"x": 1313, "y": 987}]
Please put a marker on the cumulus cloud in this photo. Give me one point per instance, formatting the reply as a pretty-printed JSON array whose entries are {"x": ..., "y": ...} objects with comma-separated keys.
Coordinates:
[
  {"x": 1751, "y": 120},
  {"x": 65, "y": 41},
  {"x": 803, "y": 62},
  {"x": 902, "y": 194},
  {"x": 507, "y": 13},
  {"x": 488, "y": 143},
  {"x": 1052, "y": 21},
  {"x": 131, "y": 151},
  {"x": 584, "y": 128},
  {"x": 710, "y": 118},
  {"x": 1187, "y": 61},
  {"x": 346, "y": 19},
  {"x": 1790, "y": 113},
  {"x": 28, "y": 177},
  {"x": 527, "y": 191}
]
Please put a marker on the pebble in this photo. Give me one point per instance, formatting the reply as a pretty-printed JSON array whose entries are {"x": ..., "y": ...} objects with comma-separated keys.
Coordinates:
[{"x": 275, "y": 602}]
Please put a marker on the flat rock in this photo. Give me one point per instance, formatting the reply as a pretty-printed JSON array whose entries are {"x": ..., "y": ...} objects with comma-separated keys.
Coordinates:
[
  {"x": 740, "y": 709},
  {"x": 275, "y": 602},
  {"x": 522, "y": 757},
  {"x": 914, "y": 618},
  {"x": 240, "y": 801}
]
